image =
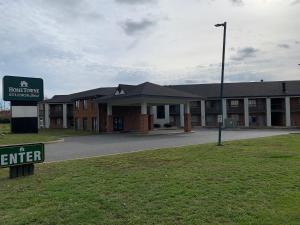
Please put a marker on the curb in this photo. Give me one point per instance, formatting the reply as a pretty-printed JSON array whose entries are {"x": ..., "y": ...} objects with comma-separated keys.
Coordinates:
[
  {"x": 60, "y": 140},
  {"x": 164, "y": 134}
]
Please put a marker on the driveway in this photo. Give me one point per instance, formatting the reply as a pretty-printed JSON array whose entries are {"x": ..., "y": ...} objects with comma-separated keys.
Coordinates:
[{"x": 105, "y": 144}]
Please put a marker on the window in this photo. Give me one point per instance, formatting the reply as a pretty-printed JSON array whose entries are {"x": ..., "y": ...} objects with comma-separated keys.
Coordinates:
[
  {"x": 174, "y": 109},
  {"x": 58, "y": 108},
  {"x": 85, "y": 104},
  {"x": 252, "y": 103},
  {"x": 84, "y": 123},
  {"x": 252, "y": 120},
  {"x": 212, "y": 104},
  {"x": 94, "y": 106},
  {"x": 196, "y": 120},
  {"x": 234, "y": 103},
  {"x": 77, "y": 123},
  {"x": 94, "y": 124},
  {"x": 209, "y": 104},
  {"x": 161, "y": 112},
  {"x": 58, "y": 122},
  {"x": 77, "y": 102},
  {"x": 195, "y": 104}
]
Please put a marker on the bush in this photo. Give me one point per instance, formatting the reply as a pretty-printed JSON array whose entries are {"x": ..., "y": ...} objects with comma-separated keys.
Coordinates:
[
  {"x": 156, "y": 125},
  {"x": 167, "y": 125},
  {"x": 4, "y": 120}
]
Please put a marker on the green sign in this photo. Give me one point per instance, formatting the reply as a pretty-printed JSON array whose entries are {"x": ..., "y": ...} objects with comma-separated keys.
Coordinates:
[
  {"x": 22, "y": 89},
  {"x": 21, "y": 154}
]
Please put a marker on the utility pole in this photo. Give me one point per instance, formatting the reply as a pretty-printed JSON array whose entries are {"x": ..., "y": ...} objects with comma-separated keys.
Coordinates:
[{"x": 220, "y": 117}]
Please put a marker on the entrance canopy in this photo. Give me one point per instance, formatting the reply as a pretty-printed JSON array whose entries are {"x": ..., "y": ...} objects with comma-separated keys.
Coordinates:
[
  {"x": 149, "y": 93},
  {"x": 131, "y": 104}
]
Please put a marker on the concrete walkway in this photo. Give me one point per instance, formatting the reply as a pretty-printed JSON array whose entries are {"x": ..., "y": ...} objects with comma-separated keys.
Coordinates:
[{"x": 105, "y": 144}]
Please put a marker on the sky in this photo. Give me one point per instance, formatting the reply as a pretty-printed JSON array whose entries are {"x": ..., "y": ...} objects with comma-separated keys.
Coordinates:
[{"x": 76, "y": 45}]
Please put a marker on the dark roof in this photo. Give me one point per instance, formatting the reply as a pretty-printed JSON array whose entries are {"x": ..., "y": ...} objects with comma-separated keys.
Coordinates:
[
  {"x": 231, "y": 90},
  {"x": 94, "y": 93},
  {"x": 59, "y": 99},
  {"x": 80, "y": 95},
  {"x": 245, "y": 89},
  {"x": 147, "y": 89}
]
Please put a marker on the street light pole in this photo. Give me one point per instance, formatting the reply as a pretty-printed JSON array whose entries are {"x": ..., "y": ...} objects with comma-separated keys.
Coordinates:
[{"x": 221, "y": 119}]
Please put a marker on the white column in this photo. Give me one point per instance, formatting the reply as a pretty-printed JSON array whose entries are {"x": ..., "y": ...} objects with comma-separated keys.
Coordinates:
[
  {"x": 65, "y": 116},
  {"x": 224, "y": 105},
  {"x": 38, "y": 114},
  {"x": 167, "y": 113},
  {"x": 109, "y": 109},
  {"x": 187, "y": 108},
  {"x": 203, "y": 122},
  {"x": 152, "y": 111},
  {"x": 269, "y": 114},
  {"x": 246, "y": 111},
  {"x": 182, "y": 115},
  {"x": 47, "y": 118},
  {"x": 144, "y": 108},
  {"x": 287, "y": 111}
]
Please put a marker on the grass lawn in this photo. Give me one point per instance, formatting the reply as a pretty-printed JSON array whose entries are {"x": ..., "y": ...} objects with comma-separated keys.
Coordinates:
[
  {"x": 4, "y": 128},
  {"x": 44, "y": 135},
  {"x": 244, "y": 182}
]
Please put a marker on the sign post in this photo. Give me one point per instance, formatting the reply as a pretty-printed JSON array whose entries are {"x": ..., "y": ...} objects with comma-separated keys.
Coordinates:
[
  {"x": 24, "y": 93},
  {"x": 21, "y": 158}
]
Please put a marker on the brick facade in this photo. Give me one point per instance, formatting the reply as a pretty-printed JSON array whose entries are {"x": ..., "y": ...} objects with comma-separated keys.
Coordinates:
[
  {"x": 88, "y": 113},
  {"x": 187, "y": 122},
  {"x": 143, "y": 126},
  {"x": 56, "y": 120},
  {"x": 295, "y": 119},
  {"x": 295, "y": 112},
  {"x": 56, "y": 116},
  {"x": 109, "y": 124},
  {"x": 103, "y": 120},
  {"x": 130, "y": 115},
  {"x": 132, "y": 118},
  {"x": 150, "y": 122},
  {"x": 56, "y": 123}
]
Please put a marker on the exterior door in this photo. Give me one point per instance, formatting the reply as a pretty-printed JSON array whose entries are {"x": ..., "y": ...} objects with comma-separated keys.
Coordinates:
[{"x": 118, "y": 123}]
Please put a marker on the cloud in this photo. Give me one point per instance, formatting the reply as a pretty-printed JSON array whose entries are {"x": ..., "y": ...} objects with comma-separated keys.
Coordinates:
[
  {"x": 246, "y": 76},
  {"x": 295, "y": 2},
  {"x": 135, "y": 2},
  {"x": 237, "y": 2},
  {"x": 244, "y": 53},
  {"x": 71, "y": 10},
  {"x": 283, "y": 46},
  {"x": 64, "y": 40},
  {"x": 132, "y": 27},
  {"x": 234, "y": 2}
]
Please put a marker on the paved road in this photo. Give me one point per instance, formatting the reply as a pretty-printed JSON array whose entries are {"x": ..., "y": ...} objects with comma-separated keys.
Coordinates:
[{"x": 105, "y": 144}]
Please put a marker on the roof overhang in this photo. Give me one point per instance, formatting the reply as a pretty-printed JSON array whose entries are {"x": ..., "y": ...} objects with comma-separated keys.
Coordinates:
[{"x": 152, "y": 100}]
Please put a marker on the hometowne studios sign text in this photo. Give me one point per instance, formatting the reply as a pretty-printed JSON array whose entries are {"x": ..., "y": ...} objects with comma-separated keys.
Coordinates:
[{"x": 22, "y": 89}]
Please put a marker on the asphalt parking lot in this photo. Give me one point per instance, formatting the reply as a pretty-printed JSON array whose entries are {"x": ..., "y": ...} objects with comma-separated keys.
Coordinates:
[{"x": 106, "y": 144}]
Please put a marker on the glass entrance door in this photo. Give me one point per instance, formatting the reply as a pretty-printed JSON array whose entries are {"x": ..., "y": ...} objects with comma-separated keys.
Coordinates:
[{"x": 118, "y": 123}]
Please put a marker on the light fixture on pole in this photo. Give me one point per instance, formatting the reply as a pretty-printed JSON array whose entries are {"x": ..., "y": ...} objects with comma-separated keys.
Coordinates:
[{"x": 220, "y": 117}]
